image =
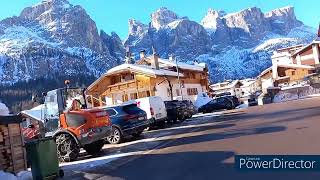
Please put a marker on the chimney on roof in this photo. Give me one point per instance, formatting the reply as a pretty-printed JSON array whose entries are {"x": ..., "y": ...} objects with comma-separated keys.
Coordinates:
[
  {"x": 128, "y": 58},
  {"x": 171, "y": 57},
  {"x": 155, "y": 59},
  {"x": 142, "y": 54}
]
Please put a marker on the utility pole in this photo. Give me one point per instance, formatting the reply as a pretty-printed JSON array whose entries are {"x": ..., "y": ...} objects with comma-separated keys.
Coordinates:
[{"x": 179, "y": 78}]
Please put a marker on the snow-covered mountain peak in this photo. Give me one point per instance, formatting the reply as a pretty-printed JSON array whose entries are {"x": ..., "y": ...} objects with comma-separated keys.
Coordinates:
[
  {"x": 46, "y": 9},
  {"x": 54, "y": 36},
  {"x": 136, "y": 27},
  {"x": 61, "y": 3},
  {"x": 162, "y": 17},
  {"x": 211, "y": 19},
  {"x": 287, "y": 10},
  {"x": 245, "y": 12}
]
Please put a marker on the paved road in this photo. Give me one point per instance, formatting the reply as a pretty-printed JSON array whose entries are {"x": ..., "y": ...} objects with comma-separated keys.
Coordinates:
[{"x": 204, "y": 147}]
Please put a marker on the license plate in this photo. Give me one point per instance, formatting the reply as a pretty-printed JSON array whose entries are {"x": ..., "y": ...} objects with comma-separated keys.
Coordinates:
[
  {"x": 141, "y": 118},
  {"x": 158, "y": 115}
]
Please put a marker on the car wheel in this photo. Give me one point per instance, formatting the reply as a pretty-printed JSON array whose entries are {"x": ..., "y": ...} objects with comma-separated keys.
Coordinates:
[
  {"x": 67, "y": 148},
  {"x": 182, "y": 118},
  {"x": 115, "y": 137},
  {"x": 94, "y": 147},
  {"x": 61, "y": 173}
]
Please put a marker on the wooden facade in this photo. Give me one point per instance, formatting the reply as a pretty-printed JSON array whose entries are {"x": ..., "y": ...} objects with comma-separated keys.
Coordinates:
[{"x": 308, "y": 55}]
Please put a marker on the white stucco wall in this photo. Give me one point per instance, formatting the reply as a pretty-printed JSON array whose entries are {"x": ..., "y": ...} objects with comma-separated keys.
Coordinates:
[
  {"x": 266, "y": 83},
  {"x": 163, "y": 92}
]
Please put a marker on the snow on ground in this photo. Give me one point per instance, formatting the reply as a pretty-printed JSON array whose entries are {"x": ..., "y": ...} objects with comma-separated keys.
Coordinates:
[
  {"x": 92, "y": 162},
  {"x": 23, "y": 175},
  {"x": 270, "y": 43},
  {"x": 302, "y": 32},
  {"x": 17, "y": 38},
  {"x": 242, "y": 106}
]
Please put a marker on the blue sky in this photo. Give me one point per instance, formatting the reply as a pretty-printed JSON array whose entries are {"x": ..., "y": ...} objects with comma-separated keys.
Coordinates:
[{"x": 113, "y": 15}]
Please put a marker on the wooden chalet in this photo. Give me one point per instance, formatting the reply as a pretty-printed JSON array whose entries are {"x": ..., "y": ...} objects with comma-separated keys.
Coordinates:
[{"x": 149, "y": 76}]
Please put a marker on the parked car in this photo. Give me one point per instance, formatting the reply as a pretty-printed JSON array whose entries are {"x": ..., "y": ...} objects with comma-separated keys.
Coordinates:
[
  {"x": 235, "y": 100},
  {"x": 192, "y": 110},
  {"x": 252, "y": 100},
  {"x": 155, "y": 109},
  {"x": 217, "y": 104},
  {"x": 176, "y": 110},
  {"x": 126, "y": 120}
]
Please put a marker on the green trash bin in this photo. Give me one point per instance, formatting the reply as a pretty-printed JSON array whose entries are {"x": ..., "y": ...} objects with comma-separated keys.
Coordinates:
[{"x": 42, "y": 156}]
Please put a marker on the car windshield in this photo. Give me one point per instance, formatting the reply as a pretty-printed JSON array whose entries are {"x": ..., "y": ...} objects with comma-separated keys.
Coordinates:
[{"x": 131, "y": 109}]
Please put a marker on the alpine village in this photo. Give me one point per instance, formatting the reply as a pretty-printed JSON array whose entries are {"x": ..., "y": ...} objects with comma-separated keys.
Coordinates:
[{"x": 76, "y": 103}]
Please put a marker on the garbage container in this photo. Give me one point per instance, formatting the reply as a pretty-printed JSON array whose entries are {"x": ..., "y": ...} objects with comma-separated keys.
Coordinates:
[{"x": 42, "y": 156}]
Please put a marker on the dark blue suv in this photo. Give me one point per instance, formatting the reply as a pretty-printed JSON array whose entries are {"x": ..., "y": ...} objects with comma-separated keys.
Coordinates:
[{"x": 126, "y": 120}]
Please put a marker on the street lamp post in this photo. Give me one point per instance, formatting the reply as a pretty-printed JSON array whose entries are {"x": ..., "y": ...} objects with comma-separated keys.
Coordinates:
[{"x": 179, "y": 78}]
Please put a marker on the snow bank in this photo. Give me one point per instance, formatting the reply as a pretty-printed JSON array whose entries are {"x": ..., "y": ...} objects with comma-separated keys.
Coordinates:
[
  {"x": 295, "y": 92},
  {"x": 23, "y": 175},
  {"x": 3, "y": 110},
  {"x": 7, "y": 176},
  {"x": 202, "y": 99},
  {"x": 242, "y": 106}
]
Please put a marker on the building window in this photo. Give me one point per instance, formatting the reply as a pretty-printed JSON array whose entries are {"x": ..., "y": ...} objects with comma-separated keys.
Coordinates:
[
  {"x": 133, "y": 96},
  {"x": 293, "y": 73},
  {"x": 115, "y": 79},
  {"x": 178, "y": 92},
  {"x": 193, "y": 76},
  {"x": 182, "y": 84},
  {"x": 144, "y": 94},
  {"x": 192, "y": 91},
  {"x": 124, "y": 97}
]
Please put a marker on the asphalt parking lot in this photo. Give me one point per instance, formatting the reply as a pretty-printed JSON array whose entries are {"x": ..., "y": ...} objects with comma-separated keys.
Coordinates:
[{"x": 204, "y": 147}]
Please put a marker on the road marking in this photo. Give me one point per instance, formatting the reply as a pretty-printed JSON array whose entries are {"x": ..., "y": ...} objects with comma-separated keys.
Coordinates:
[
  {"x": 151, "y": 150},
  {"x": 92, "y": 162}
]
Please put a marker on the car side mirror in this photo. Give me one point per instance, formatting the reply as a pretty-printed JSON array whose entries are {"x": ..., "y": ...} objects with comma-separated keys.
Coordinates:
[{"x": 31, "y": 126}]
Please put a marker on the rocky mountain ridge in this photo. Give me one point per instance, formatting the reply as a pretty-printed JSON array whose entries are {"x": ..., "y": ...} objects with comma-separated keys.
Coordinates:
[
  {"x": 56, "y": 37},
  {"x": 234, "y": 45}
]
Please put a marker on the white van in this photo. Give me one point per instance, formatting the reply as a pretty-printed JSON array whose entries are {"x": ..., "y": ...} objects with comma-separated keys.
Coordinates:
[{"x": 154, "y": 107}]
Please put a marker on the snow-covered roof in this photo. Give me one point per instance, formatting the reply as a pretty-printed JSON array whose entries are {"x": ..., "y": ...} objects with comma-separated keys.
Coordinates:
[
  {"x": 265, "y": 71},
  {"x": 142, "y": 69},
  {"x": 217, "y": 86},
  {"x": 295, "y": 66},
  {"x": 294, "y": 86},
  {"x": 284, "y": 77},
  {"x": 148, "y": 70},
  {"x": 247, "y": 82},
  {"x": 181, "y": 65},
  {"x": 305, "y": 47}
]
